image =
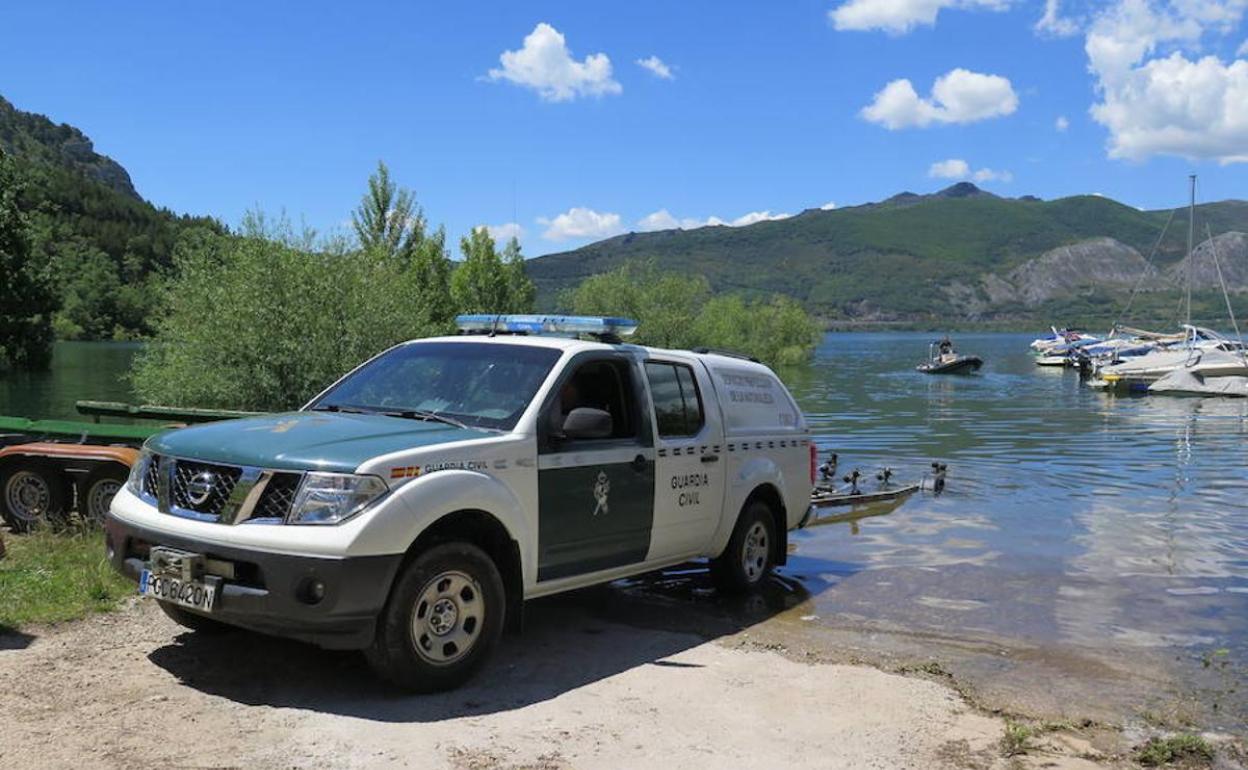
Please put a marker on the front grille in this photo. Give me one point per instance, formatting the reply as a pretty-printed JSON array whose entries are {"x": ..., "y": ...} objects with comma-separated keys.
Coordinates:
[
  {"x": 202, "y": 487},
  {"x": 151, "y": 479},
  {"x": 278, "y": 496}
]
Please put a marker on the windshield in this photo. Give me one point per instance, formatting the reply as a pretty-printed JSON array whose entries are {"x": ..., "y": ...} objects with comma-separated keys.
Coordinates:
[{"x": 477, "y": 384}]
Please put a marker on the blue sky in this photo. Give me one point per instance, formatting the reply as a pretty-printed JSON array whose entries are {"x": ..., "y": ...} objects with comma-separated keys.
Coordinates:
[{"x": 767, "y": 109}]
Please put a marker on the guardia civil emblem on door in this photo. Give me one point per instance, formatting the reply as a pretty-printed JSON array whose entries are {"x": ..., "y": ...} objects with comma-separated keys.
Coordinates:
[{"x": 601, "y": 488}]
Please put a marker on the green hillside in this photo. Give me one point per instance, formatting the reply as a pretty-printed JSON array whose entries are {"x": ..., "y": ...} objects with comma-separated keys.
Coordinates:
[
  {"x": 103, "y": 242},
  {"x": 912, "y": 258}
]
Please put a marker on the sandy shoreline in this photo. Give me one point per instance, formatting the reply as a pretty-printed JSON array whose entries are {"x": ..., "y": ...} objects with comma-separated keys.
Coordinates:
[{"x": 131, "y": 689}]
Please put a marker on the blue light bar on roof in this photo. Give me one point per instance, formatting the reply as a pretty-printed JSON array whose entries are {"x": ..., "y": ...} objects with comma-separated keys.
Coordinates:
[{"x": 547, "y": 324}]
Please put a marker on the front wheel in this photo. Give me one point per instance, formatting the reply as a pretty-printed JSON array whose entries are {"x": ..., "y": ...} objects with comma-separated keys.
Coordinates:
[
  {"x": 750, "y": 553},
  {"x": 444, "y": 616}
]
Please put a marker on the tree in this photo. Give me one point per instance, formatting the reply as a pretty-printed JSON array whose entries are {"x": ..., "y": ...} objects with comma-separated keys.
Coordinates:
[
  {"x": 430, "y": 281},
  {"x": 667, "y": 302},
  {"x": 520, "y": 289},
  {"x": 679, "y": 311},
  {"x": 479, "y": 283},
  {"x": 266, "y": 319},
  {"x": 388, "y": 222},
  {"x": 27, "y": 295}
]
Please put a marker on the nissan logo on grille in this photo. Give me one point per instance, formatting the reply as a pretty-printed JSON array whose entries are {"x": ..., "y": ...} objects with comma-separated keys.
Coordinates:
[{"x": 200, "y": 487}]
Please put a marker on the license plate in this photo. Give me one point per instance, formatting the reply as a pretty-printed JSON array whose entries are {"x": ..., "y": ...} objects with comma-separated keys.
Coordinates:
[{"x": 186, "y": 593}]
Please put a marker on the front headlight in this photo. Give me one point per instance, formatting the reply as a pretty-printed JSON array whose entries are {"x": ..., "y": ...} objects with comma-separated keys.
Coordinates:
[
  {"x": 138, "y": 471},
  {"x": 331, "y": 498}
]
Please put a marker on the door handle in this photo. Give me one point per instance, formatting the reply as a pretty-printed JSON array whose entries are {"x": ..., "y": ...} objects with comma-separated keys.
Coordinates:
[
  {"x": 710, "y": 458},
  {"x": 639, "y": 463}
]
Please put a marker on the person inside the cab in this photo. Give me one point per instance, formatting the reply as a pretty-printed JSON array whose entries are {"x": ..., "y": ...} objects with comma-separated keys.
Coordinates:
[{"x": 946, "y": 349}]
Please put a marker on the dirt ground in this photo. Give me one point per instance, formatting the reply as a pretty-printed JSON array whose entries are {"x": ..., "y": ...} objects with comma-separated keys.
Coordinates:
[{"x": 131, "y": 689}]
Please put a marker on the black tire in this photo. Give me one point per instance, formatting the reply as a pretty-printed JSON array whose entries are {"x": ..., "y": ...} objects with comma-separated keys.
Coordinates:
[
  {"x": 32, "y": 492},
  {"x": 200, "y": 624},
  {"x": 445, "y": 615},
  {"x": 98, "y": 490},
  {"x": 750, "y": 555}
]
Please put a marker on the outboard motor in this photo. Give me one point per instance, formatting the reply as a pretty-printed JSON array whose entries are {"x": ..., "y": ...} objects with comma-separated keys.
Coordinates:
[
  {"x": 852, "y": 480},
  {"x": 828, "y": 469},
  {"x": 939, "y": 470}
]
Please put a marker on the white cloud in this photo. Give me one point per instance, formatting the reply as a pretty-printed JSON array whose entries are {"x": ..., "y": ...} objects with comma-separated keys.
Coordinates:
[
  {"x": 953, "y": 168},
  {"x": 958, "y": 96},
  {"x": 828, "y": 206},
  {"x": 505, "y": 232},
  {"x": 989, "y": 175},
  {"x": 545, "y": 65},
  {"x": 757, "y": 216},
  {"x": 579, "y": 222},
  {"x": 1169, "y": 104},
  {"x": 900, "y": 16},
  {"x": 656, "y": 65},
  {"x": 664, "y": 220},
  {"x": 1243, "y": 49},
  {"x": 1053, "y": 23},
  {"x": 956, "y": 168},
  {"x": 1061, "y": 124}
]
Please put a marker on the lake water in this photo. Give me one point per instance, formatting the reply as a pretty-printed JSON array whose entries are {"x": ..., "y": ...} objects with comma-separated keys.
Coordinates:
[
  {"x": 80, "y": 371},
  {"x": 1072, "y": 520}
]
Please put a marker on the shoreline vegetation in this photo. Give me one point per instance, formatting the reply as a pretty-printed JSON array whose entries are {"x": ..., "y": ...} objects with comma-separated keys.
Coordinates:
[{"x": 266, "y": 318}]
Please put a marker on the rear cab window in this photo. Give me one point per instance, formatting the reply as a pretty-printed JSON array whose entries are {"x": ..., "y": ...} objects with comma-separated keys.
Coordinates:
[{"x": 678, "y": 409}]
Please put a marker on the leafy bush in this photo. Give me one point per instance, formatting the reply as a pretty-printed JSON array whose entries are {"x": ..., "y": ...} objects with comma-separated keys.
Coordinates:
[
  {"x": 678, "y": 311},
  {"x": 267, "y": 319}
]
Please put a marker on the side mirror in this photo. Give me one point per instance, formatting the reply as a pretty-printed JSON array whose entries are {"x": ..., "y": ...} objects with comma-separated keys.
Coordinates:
[{"x": 586, "y": 423}]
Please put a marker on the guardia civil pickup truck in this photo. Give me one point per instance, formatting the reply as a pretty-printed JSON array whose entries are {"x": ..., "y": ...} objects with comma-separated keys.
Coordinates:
[{"x": 411, "y": 508}]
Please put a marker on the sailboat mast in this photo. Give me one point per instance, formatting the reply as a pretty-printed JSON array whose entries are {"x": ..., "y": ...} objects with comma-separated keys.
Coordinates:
[{"x": 1191, "y": 228}]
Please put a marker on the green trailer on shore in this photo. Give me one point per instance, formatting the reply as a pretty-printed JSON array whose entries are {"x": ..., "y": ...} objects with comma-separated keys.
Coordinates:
[{"x": 52, "y": 468}]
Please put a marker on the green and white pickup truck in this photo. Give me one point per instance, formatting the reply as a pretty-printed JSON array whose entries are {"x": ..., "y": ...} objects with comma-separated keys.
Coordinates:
[{"x": 411, "y": 508}]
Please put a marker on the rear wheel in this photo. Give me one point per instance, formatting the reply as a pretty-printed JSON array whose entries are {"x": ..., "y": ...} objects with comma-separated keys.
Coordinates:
[
  {"x": 195, "y": 622},
  {"x": 443, "y": 619},
  {"x": 32, "y": 493},
  {"x": 98, "y": 491},
  {"x": 750, "y": 554}
]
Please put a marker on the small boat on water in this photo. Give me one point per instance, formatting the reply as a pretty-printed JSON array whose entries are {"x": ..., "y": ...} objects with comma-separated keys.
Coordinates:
[{"x": 943, "y": 359}]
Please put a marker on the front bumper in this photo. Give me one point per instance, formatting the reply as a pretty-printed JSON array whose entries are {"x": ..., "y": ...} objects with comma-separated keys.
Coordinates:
[{"x": 265, "y": 594}]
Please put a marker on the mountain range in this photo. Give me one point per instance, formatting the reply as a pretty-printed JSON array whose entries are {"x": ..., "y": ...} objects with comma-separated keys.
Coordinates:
[
  {"x": 958, "y": 255},
  {"x": 961, "y": 255}
]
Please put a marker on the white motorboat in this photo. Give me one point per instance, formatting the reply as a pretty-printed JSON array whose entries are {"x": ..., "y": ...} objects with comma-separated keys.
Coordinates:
[
  {"x": 1188, "y": 382},
  {"x": 1203, "y": 351}
]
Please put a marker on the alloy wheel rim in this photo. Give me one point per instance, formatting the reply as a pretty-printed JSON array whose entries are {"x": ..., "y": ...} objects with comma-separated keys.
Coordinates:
[
  {"x": 447, "y": 618},
  {"x": 27, "y": 495},
  {"x": 754, "y": 554}
]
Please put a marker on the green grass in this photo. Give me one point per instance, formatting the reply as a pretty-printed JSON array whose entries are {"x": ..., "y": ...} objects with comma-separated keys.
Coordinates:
[
  {"x": 1016, "y": 739},
  {"x": 49, "y": 577},
  {"x": 1191, "y": 750}
]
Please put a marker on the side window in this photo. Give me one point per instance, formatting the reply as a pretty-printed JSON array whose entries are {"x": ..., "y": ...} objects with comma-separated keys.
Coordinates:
[
  {"x": 604, "y": 385},
  {"x": 677, "y": 403},
  {"x": 693, "y": 399}
]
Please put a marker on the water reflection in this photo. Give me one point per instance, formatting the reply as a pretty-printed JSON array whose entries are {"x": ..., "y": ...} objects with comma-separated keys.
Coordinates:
[{"x": 1070, "y": 514}]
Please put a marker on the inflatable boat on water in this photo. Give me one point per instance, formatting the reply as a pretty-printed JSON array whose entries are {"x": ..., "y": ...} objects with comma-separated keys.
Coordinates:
[{"x": 943, "y": 359}]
